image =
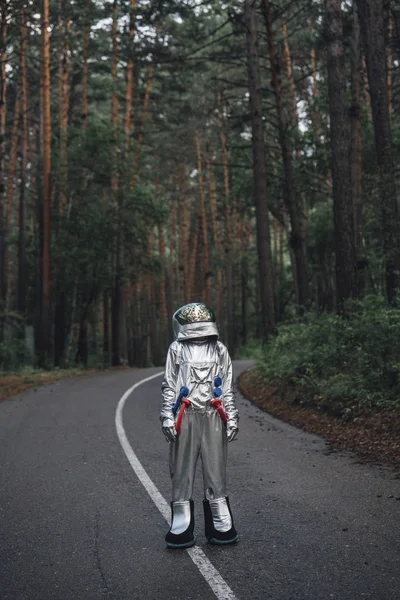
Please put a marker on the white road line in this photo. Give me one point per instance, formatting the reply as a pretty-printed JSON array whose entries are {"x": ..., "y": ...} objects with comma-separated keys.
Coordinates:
[{"x": 218, "y": 585}]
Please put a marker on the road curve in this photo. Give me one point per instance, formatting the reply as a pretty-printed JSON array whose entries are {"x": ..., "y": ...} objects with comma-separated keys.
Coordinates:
[{"x": 76, "y": 523}]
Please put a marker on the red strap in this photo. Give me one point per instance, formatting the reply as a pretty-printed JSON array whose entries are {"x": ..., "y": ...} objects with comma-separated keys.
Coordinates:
[
  {"x": 216, "y": 403},
  {"x": 184, "y": 403}
]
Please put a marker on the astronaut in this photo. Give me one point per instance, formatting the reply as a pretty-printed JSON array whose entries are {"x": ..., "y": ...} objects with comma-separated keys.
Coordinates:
[{"x": 198, "y": 417}]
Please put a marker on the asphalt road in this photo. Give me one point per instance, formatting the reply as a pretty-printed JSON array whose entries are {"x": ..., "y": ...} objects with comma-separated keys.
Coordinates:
[{"x": 76, "y": 523}]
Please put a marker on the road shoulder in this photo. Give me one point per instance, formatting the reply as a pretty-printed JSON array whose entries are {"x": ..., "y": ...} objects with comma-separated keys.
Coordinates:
[{"x": 372, "y": 436}]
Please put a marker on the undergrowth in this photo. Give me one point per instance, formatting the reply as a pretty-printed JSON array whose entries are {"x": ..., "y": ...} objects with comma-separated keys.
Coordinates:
[
  {"x": 250, "y": 351},
  {"x": 340, "y": 363}
]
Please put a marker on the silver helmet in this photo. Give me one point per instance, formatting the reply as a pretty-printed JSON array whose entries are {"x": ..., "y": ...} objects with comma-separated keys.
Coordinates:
[{"x": 193, "y": 321}]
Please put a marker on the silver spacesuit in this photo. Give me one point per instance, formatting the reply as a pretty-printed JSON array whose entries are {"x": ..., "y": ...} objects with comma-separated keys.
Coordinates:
[{"x": 199, "y": 417}]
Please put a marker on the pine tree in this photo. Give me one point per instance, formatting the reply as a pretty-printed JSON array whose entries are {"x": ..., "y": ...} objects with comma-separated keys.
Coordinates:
[
  {"x": 260, "y": 177},
  {"x": 346, "y": 272}
]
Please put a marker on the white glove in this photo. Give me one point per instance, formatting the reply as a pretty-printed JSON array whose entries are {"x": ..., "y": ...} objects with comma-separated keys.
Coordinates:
[
  {"x": 232, "y": 430},
  {"x": 168, "y": 429}
]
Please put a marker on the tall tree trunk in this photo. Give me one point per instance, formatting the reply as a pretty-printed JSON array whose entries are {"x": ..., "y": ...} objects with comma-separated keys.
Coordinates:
[
  {"x": 314, "y": 66},
  {"x": 12, "y": 163},
  {"x": 33, "y": 159},
  {"x": 106, "y": 330},
  {"x": 129, "y": 75},
  {"x": 315, "y": 115},
  {"x": 367, "y": 95},
  {"x": 244, "y": 276},
  {"x": 184, "y": 251},
  {"x": 46, "y": 162},
  {"x": 116, "y": 301},
  {"x": 203, "y": 249},
  {"x": 130, "y": 328},
  {"x": 228, "y": 230},
  {"x": 114, "y": 100},
  {"x": 281, "y": 243},
  {"x": 293, "y": 201},
  {"x": 123, "y": 306},
  {"x": 22, "y": 280},
  {"x": 163, "y": 290},
  {"x": 3, "y": 61},
  {"x": 346, "y": 272},
  {"x": 149, "y": 307},
  {"x": 260, "y": 177},
  {"x": 63, "y": 94},
  {"x": 275, "y": 261},
  {"x": 192, "y": 262},
  {"x": 355, "y": 142},
  {"x": 288, "y": 63},
  {"x": 85, "y": 65},
  {"x": 11, "y": 209},
  {"x": 146, "y": 100},
  {"x": 82, "y": 353},
  {"x": 60, "y": 309},
  {"x": 390, "y": 60},
  {"x": 216, "y": 237},
  {"x": 172, "y": 256},
  {"x": 216, "y": 233},
  {"x": 372, "y": 30},
  {"x": 116, "y": 259},
  {"x": 230, "y": 331},
  {"x": 60, "y": 324},
  {"x": 38, "y": 152}
]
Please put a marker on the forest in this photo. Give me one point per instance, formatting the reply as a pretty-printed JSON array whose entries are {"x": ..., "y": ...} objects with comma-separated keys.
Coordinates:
[{"x": 244, "y": 154}]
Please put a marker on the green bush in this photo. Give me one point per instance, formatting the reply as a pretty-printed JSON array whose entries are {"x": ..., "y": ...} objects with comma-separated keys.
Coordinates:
[
  {"x": 250, "y": 351},
  {"x": 344, "y": 362},
  {"x": 14, "y": 354}
]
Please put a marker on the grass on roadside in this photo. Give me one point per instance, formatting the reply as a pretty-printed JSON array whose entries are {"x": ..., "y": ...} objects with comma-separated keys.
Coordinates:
[{"x": 20, "y": 381}]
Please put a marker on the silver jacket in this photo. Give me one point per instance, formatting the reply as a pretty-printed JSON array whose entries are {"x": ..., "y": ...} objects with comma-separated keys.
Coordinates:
[{"x": 195, "y": 363}]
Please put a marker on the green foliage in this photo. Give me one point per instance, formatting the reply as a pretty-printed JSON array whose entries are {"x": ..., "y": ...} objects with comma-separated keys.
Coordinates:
[
  {"x": 320, "y": 234},
  {"x": 250, "y": 351},
  {"x": 341, "y": 363},
  {"x": 89, "y": 230},
  {"x": 14, "y": 353}
]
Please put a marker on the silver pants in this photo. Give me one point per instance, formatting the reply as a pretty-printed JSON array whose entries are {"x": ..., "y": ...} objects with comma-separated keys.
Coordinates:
[{"x": 202, "y": 435}]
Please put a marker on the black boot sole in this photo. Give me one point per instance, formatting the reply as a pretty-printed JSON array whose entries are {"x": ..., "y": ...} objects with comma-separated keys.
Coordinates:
[
  {"x": 218, "y": 542},
  {"x": 188, "y": 544}
]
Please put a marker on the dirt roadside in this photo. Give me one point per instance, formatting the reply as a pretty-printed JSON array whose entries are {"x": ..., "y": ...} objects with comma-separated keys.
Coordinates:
[{"x": 12, "y": 385}]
